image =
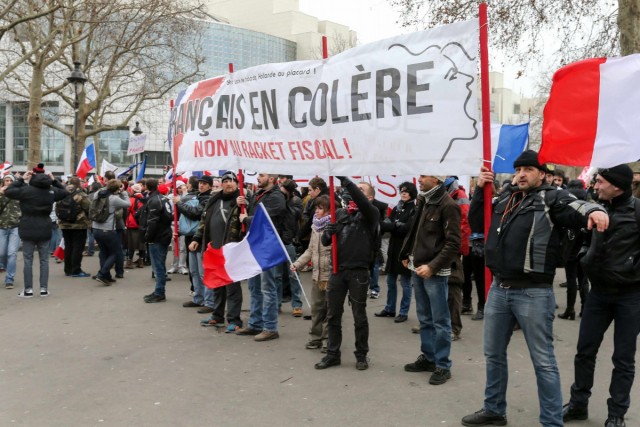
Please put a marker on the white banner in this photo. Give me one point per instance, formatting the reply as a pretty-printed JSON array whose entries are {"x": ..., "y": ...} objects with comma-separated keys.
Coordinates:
[
  {"x": 136, "y": 145},
  {"x": 404, "y": 105},
  {"x": 106, "y": 166}
]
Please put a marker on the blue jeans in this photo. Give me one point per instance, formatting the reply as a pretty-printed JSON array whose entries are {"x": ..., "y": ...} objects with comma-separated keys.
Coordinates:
[
  {"x": 158, "y": 256},
  {"x": 264, "y": 300},
  {"x": 56, "y": 236},
  {"x": 533, "y": 309},
  {"x": 43, "y": 254},
  {"x": 201, "y": 294},
  {"x": 599, "y": 311},
  {"x": 375, "y": 275},
  {"x": 294, "y": 283},
  {"x": 91, "y": 242},
  {"x": 9, "y": 245},
  {"x": 392, "y": 293},
  {"x": 435, "y": 321}
]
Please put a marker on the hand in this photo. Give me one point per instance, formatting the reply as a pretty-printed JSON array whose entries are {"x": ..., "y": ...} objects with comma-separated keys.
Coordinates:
[
  {"x": 331, "y": 228},
  {"x": 424, "y": 271},
  {"x": 242, "y": 217},
  {"x": 405, "y": 263},
  {"x": 176, "y": 199},
  {"x": 292, "y": 267},
  {"x": 598, "y": 219},
  {"x": 241, "y": 200},
  {"x": 485, "y": 176},
  {"x": 50, "y": 175},
  {"x": 27, "y": 176},
  {"x": 193, "y": 246}
]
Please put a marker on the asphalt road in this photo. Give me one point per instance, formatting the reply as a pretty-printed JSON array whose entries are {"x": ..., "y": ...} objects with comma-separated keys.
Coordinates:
[{"x": 90, "y": 355}]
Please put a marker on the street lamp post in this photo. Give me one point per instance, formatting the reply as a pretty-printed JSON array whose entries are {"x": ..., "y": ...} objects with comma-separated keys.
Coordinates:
[
  {"x": 77, "y": 79},
  {"x": 137, "y": 131}
]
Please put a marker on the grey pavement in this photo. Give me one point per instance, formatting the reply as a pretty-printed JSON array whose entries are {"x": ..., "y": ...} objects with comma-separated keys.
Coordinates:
[{"x": 90, "y": 355}]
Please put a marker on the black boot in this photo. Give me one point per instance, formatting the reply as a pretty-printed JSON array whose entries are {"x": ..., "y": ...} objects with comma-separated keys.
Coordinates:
[{"x": 569, "y": 314}]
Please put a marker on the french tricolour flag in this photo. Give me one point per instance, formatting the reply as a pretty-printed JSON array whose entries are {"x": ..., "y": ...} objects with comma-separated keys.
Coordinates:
[
  {"x": 592, "y": 117},
  {"x": 87, "y": 161},
  {"x": 510, "y": 141},
  {"x": 260, "y": 250}
]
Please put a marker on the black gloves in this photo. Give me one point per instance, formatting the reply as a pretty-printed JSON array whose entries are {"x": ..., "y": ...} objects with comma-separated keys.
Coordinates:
[
  {"x": 343, "y": 180},
  {"x": 399, "y": 224},
  {"x": 331, "y": 229}
]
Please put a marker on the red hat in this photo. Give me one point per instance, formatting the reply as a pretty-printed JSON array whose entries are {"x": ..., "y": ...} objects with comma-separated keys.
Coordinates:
[
  {"x": 163, "y": 189},
  {"x": 39, "y": 168}
]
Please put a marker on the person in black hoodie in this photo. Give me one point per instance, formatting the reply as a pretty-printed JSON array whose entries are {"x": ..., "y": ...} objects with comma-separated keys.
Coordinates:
[
  {"x": 157, "y": 234},
  {"x": 612, "y": 264},
  {"x": 37, "y": 193}
]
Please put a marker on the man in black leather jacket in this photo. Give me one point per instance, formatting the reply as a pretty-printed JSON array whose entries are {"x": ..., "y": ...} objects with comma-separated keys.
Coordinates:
[{"x": 612, "y": 264}]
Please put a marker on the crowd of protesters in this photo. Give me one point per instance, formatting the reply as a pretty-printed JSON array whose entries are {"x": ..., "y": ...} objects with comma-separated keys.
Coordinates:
[{"x": 432, "y": 241}]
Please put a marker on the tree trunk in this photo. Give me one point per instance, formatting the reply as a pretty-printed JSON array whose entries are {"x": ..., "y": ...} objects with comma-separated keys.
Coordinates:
[
  {"x": 34, "y": 117},
  {"x": 629, "y": 26}
]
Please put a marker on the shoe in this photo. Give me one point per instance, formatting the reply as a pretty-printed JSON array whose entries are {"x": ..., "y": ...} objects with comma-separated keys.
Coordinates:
[
  {"x": 184, "y": 271},
  {"x": 400, "y": 318},
  {"x": 374, "y": 295},
  {"x": 44, "y": 292},
  {"x": 362, "y": 364},
  {"x": 212, "y": 322},
  {"x": 232, "y": 328},
  {"x": 323, "y": 350},
  {"x": 119, "y": 276},
  {"x": 615, "y": 422},
  {"x": 172, "y": 270},
  {"x": 26, "y": 294},
  {"x": 248, "y": 331},
  {"x": 484, "y": 418},
  {"x": 129, "y": 264},
  {"x": 384, "y": 313},
  {"x": 313, "y": 345},
  {"x": 455, "y": 336},
  {"x": 572, "y": 412},
  {"x": 563, "y": 285},
  {"x": 81, "y": 274},
  {"x": 297, "y": 312},
  {"x": 327, "y": 362},
  {"x": 85, "y": 253},
  {"x": 104, "y": 281},
  {"x": 267, "y": 336},
  {"x": 190, "y": 304},
  {"x": 140, "y": 263},
  {"x": 415, "y": 329},
  {"x": 420, "y": 365},
  {"x": 151, "y": 298},
  {"x": 466, "y": 309},
  {"x": 440, "y": 376},
  {"x": 478, "y": 316},
  {"x": 569, "y": 314},
  {"x": 205, "y": 310},
  {"x": 8, "y": 285}
]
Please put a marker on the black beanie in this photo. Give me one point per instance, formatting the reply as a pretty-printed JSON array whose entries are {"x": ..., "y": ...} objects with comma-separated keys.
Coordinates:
[
  {"x": 528, "y": 158},
  {"x": 621, "y": 176}
]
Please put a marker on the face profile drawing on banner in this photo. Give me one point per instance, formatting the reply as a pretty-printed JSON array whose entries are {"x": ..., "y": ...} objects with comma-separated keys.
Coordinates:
[{"x": 397, "y": 106}]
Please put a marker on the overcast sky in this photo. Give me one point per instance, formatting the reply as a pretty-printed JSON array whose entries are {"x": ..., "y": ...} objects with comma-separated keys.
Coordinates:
[{"x": 376, "y": 19}]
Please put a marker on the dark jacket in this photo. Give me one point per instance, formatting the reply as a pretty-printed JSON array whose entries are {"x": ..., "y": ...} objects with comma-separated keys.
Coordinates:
[
  {"x": 291, "y": 223},
  {"x": 233, "y": 231},
  {"x": 36, "y": 201},
  {"x": 274, "y": 202},
  {"x": 526, "y": 250},
  {"x": 356, "y": 233},
  {"x": 434, "y": 238},
  {"x": 157, "y": 231},
  {"x": 398, "y": 226},
  {"x": 612, "y": 262}
]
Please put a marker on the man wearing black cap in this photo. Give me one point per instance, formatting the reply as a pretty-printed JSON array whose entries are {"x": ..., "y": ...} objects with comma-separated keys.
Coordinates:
[
  {"x": 521, "y": 250},
  {"x": 612, "y": 264}
]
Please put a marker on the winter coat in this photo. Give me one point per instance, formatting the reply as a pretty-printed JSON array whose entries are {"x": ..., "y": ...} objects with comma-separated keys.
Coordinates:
[
  {"x": 137, "y": 202},
  {"x": 398, "y": 225},
  {"x": 274, "y": 202},
  {"x": 9, "y": 212},
  {"x": 117, "y": 202},
  {"x": 233, "y": 231},
  {"x": 82, "y": 221},
  {"x": 156, "y": 230},
  {"x": 320, "y": 257},
  {"x": 36, "y": 202}
]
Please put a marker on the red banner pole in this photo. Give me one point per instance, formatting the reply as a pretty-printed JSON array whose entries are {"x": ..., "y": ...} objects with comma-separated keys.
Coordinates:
[
  {"x": 486, "y": 129},
  {"x": 332, "y": 198},
  {"x": 176, "y": 238}
]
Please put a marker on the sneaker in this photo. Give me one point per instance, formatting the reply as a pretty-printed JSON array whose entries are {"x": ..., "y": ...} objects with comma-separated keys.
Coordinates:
[
  {"x": 8, "y": 285},
  {"x": 248, "y": 331},
  {"x": 478, "y": 316},
  {"x": 313, "y": 345},
  {"x": 297, "y": 312},
  {"x": 81, "y": 274},
  {"x": 232, "y": 328},
  {"x": 151, "y": 298},
  {"x": 415, "y": 329},
  {"x": 484, "y": 418},
  {"x": 172, "y": 270},
  {"x": 571, "y": 412},
  {"x": 104, "y": 281},
  {"x": 184, "y": 271},
  {"x": 26, "y": 294},
  {"x": 267, "y": 336},
  {"x": 440, "y": 376},
  {"x": 374, "y": 295},
  {"x": 327, "y": 362},
  {"x": 210, "y": 321},
  {"x": 362, "y": 364},
  {"x": 420, "y": 365},
  {"x": 44, "y": 292}
]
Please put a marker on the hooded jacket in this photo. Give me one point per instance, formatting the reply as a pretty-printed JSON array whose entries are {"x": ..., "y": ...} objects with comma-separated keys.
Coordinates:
[{"x": 36, "y": 202}]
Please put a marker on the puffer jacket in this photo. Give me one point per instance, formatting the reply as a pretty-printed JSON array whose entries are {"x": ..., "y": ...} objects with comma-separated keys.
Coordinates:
[
  {"x": 9, "y": 212},
  {"x": 319, "y": 255},
  {"x": 36, "y": 202}
]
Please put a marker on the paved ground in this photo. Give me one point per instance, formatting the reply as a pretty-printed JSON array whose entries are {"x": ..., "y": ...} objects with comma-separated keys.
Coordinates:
[{"x": 91, "y": 355}]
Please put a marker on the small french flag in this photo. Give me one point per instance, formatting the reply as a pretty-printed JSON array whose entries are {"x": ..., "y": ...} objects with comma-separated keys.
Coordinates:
[
  {"x": 260, "y": 250},
  {"x": 87, "y": 161},
  {"x": 4, "y": 169},
  {"x": 59, "y": 252}
]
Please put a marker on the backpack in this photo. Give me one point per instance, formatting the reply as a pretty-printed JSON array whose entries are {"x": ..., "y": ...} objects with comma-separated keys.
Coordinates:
[
  {"x": 99, "y": 209},
  {"x": 67, "y": 209},
  {"x": 186, "y": 225}
]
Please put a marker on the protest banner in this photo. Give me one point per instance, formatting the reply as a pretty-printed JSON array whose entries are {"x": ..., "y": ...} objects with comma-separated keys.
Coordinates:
[
  {"x": 136, "y": 145},
  {"x": 403, "y": 105}
]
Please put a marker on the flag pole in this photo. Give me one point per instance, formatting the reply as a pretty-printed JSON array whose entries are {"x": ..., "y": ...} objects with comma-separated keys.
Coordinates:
[
  {"x": 332, "y": 194},
  {"x": 176, "y": 238},
  {"x": 486, "y": 129}
]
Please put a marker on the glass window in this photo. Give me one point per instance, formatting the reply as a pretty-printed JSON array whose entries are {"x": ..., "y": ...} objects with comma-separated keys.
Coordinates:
[
  {"x": 157, "y": 159},
  {"x": 113, "y": 147}
]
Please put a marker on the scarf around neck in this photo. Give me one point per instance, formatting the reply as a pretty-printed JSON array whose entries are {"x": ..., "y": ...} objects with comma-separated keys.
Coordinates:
[{"x": 319, "y": 224}]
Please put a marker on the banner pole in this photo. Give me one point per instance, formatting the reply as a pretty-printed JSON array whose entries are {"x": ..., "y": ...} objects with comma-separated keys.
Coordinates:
[
  {"x": 486, "y": 129},
  {"x": 240, "y": 175},
  {"x": 176, "y": 238},
  {"x": 332, "y": 194}
]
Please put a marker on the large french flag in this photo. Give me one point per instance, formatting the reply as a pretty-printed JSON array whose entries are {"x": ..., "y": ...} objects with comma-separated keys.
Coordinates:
[
  {"x": 510, "y": 141},
  {"x": 260, "y": 250},
  {"x": 87, "y": 162},
  {"x": 592, "y": 117}
]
